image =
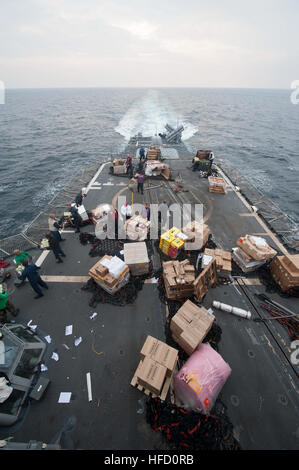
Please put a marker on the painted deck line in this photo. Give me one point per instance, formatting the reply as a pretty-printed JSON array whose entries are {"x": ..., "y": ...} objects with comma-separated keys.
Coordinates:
[
  {"x": 42, "y": 258},
  {"x": 96, "y": 176},
  {"x": 65, "y": 278}
]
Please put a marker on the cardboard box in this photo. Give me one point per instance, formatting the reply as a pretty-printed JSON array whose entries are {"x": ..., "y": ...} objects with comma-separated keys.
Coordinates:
[
  {"x": 151, "y": 375},
  {"x": 190, "y": 325},
  {"x": 136, "y": 257}
]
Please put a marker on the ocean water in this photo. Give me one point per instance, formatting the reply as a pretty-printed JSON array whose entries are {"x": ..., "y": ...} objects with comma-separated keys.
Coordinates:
[{"x": 46, "y": 135}]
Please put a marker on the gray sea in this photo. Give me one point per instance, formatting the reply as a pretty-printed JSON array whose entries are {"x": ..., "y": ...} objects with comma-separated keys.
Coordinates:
[{"x": 48, "y": 134}]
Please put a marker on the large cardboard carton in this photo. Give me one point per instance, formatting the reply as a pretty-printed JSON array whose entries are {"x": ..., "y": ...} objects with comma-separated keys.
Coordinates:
[
  {"x": 136, "y": 257},
  {"x": 190, "y": 325},
  {"x": 151, "y": 375}
]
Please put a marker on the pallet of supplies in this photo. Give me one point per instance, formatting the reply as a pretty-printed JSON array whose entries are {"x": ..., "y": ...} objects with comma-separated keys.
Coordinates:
[
  {"x": 201, "y": 379},
  {"x": 197, "y": 235},
  {"x": 110, "y": 273},
  {"x": 256, "y": 247},
  {"x": 156, "y": 168},
  {"x": 119, "y": 166},
  {"x": 137, "y": 228},
  {"x": 154, "y": 153},
  {"x": 190, "y": 325},
  {"x": 178, "y": 279},
  {"x": 217, "y": 185},
  {"x": 285, "y": 271},
  {"x": 155, "y": 369},
  {"x": 136, "y": 258},
  {"x": 244, "y": 261},
  {"x": 223, "y": 261}
]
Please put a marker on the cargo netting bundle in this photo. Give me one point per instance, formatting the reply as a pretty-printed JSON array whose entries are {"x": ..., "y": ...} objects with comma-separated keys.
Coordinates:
[
  {"x": 190, "y": 430},
  {"x": 126, "y": 295}
]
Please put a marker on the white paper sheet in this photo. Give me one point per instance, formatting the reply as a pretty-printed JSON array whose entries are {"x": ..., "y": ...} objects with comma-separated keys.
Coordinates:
[
  {"x": 68, "y": 330},
  {"x": 65, "y": 397}
]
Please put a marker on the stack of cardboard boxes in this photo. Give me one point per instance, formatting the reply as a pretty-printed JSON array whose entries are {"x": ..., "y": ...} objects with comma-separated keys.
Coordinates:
[
  {"x": 252, "y": 252},
  {"x": 136, "y": 258},
  {"x": 223, "y": 261},
  {"x": 156, "y": 367},
  {"x": 104, "y": 273},
  {"x": 285, "y": 271},
  {"x": 119, "y": 166},
  {"x": 217, "y": 185},
  {"x": 178, "y": 279},
  {"x": 154, "y": 153},
  {"x": 137, "y": 228},
  {"x": 197, "y": 233},
  {"x": 190, "y": 325}
]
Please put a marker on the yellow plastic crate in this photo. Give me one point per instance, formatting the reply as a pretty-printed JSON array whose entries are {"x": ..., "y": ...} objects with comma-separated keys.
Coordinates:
[
  {"x": 177, "y": 243},
  {"x": 174, "y": 231}
]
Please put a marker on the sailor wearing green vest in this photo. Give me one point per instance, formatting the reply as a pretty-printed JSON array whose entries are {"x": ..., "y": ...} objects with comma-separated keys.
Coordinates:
[
  {"x": 20, "y": 256},
  {"x": 5, "y": 305}
]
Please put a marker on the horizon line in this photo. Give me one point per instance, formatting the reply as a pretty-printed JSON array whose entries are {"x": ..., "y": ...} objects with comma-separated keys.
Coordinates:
[{"x": 142, "y": 87}]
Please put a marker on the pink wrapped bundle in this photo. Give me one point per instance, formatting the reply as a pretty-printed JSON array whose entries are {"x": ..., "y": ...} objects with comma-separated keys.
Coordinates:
[{"x": 200, "y": 380}]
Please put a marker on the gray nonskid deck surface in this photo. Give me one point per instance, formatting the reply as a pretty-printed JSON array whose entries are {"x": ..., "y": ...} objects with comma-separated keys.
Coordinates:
[{"x": 261, "y": 394}]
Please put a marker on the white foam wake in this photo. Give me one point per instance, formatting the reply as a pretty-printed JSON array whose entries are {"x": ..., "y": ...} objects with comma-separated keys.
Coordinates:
[{"x": 149, "y": 115}]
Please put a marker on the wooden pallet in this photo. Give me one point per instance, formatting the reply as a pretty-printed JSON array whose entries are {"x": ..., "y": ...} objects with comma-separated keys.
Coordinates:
[
  {"x": 217, "y": 190},
  {"x": 164, "y": 391}
]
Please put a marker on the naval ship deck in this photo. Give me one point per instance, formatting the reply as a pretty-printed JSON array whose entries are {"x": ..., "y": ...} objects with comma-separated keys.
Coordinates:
[{"x": 261, "y": 394}]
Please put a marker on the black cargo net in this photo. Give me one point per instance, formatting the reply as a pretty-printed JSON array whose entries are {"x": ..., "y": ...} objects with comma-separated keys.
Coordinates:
[{"x": 189, "y": 430}]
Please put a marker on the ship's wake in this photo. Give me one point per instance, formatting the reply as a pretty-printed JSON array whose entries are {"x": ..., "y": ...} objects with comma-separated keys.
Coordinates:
[{"x": 149, "y": 115}]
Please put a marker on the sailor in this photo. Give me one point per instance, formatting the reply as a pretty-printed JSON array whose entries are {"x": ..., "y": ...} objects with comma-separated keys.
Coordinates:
[
  {"x": 146, "y": 212},
  {"x": 140, "y": 181},
  {"x": 80, "y": 196},
  {"x": 20, "y": 256},
  {"x": 75, "y": 216},
  {"x": 5, "y": 305},
  {"x": 126, "y": 210},
  {"x": 141, "y": 153},
  {"x": 54, "y": 227},
  {"x": 30, "y": 272},
  {"x": 195, "y": 163},
  {"x": 141, "y": 165},
  {"x": 55, "y": 247}
]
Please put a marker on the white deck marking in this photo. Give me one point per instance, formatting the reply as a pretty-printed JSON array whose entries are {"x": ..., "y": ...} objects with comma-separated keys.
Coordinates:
[
  {"x": 42, "y": 258},
  {"x": 96, "y": 176}
]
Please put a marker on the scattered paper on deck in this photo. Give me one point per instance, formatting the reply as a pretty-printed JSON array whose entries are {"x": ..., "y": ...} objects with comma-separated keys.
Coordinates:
[
  {"x": 68, "y": 330},
  {"x": 65, "y": 397}
]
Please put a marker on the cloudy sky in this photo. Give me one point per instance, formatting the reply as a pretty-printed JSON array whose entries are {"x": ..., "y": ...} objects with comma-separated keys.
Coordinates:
[{"x": 149, "y": 43}]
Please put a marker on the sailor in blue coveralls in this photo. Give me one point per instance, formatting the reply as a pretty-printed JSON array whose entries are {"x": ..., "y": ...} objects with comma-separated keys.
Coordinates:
[{"x": 34, "y": 278}]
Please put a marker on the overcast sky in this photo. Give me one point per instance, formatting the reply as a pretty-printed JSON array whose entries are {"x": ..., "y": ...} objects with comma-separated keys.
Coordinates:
[{"x": 140, "y": 43}]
